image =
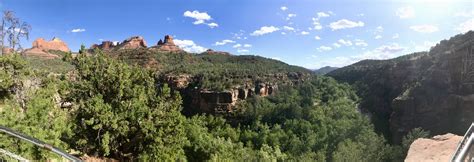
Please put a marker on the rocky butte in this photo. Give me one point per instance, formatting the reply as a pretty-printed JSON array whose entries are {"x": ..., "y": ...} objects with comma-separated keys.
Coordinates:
[{"x": 41, "y": 48}]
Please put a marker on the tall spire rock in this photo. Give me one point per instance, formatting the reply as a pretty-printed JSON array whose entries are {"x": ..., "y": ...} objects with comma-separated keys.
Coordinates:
[{"x": 168, "y": 45}]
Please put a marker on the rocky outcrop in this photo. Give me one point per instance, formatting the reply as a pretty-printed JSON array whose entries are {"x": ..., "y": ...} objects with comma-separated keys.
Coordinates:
[
  {"x": 438, "y": 148},
  {"x": 105, "y": 45},
  {"x": 133, "y": 43},
  {"x": 432, "y": 90},
  {"x": 42, "y": 47},
  {"x": 167, "y": 45},
  {"x": 212, "y": 52}
]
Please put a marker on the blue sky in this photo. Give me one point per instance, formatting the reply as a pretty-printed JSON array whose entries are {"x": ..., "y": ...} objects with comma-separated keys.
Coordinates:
[{"x": 308, "y": 33}]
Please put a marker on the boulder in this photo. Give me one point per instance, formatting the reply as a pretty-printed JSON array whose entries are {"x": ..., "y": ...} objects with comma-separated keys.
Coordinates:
[
  {"x": 438, "y": 148},
  {"x": 133, "y": 43}
]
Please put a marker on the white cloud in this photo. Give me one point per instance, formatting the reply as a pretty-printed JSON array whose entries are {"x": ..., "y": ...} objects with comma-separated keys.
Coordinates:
[
  {"x": 324, "y": 48},
  {"x": 316, "y": 24},
  {"x": 200, "y": 17},
  {"x": 290, "y": 16},
  {"x": 284, "y": 8},
  {"x": 289, "y": 28},
  {"x": 379, "y": 29},
  {"x": 424, "y": 28},
  {"x": 224, "y": 42},
  {"x": 189, "y": 46},
  {"x": 322, "y": 14},
  {"x": 466, "y": 26},
  {"x": 264, "y": 30},
  {"x": 344, "y": 24},
  {"x": 212, "y": 25},
  {"x": 317, "y": 37},
  {"x": 337, "y": 45},
  {"x": 360, "y": 42},
  {"x": 78, "y": 30},
  {"x": 237, "y": 46},
  {"x": 377, "y": 37},
  {"x": 283, "y": 33},
  {"x": 360, "y": 15},
  {"x": 247, "y": 45},
  {"x": 345, "y": 42},
  {"x": 304, "y": 33},
  {"x": 395, "y": 36},
  {"x": 405, "y": 12},
  {"x": 389, "y": 49},
  {"x": 242, "y": 50}
]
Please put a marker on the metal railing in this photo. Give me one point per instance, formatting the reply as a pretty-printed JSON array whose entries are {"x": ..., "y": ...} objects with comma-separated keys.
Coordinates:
[
  {"x": 35, "y": 142},
  {"x": 465, "y": 149}
]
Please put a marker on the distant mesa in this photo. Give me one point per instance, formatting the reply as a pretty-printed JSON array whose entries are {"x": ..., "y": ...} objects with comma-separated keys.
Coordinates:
[
  {"x": 41, "y": 48},
  {"x": 212, "y": 52},
  {"x": 167, "y": 44}
]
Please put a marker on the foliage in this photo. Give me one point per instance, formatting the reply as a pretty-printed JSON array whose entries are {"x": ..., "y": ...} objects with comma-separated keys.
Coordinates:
[
  {"x": 11, "y": 68},
  {"x": 121, "y": 113}
]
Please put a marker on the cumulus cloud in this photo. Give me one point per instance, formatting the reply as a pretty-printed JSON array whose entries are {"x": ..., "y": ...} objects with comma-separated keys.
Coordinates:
[
  {"x": 247, "y": 45},
  {"x": 337, "y": 45},
  {"x": 78, "y": 30},
  {"x": 288, "y": 28},
  {"x": 424, "y": 28},
  {"x": 317, "y": 37},
  {"x": 379, "y": 29},
  {"x": 200, "y": 18},
  {"x": 324, "y": 48},
  {"x": 264, "y": 30},
  {"x": 290, "y": 16},
  {"x": 405, "y": 12},
  {"x": 283, "y": 8},
  {"x": 425, "y": 46},
  {"x": 304, "y": 33},
  {"x": 389, "y": 49},
  {"x": 466, "y": 26},
  {"x": 345, "y": 42},
  {"x": 344, "y": 24},
  {"x": 237, "y": 46},
  {"x": 316, "y": 24},
  {"x": 360, "y": 42},
  {"x": 189, "y": 46},
  {"x": 224, "y": 42},
  {"x": 377, "y": 37},
  {"x": 212, "y": 25},
  {"x": 242, "y": 50}
]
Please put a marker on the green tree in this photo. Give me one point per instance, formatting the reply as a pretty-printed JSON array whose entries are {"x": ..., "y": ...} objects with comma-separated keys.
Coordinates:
[{"x": 121, "y": 112}]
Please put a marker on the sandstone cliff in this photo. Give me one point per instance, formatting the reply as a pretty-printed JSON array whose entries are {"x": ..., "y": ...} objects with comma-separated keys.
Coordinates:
[
  {"x": 41, "y": 48},
  {"x": 432, "y": 90},
  {"x": 133, "y": 43},
  {"x": 167, "y": 45},
  {"x": 438, "y": 148}
]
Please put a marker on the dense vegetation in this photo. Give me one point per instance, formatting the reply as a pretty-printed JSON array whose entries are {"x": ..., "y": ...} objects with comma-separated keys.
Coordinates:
[
  {"x": 120, "y": 111},
  {"x": 215, "y": 71}
]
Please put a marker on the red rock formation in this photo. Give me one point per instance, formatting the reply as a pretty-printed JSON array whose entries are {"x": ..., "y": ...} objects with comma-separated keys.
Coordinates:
[
  {"x": 168, "y": 45},
  {"x": 106, "y": 45},
  {"x": 438, "y": 148},
  {"x": 41, "y": 47},
  {"x": 133, "y": 43},
  {"x": 212, "y": 52}
]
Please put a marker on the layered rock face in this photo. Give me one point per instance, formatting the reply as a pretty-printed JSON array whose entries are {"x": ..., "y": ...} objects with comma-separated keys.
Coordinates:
[
  {"x": 438, "y": 148},
  {"x": 133, "y": 43},
  {"x": 167, "y": 45},
  {"x": 220, "y": 102},
  {"x": 41, "y": 47},
  {"x": 105, "y": 45},
  {"x": 432, "y": 90}
]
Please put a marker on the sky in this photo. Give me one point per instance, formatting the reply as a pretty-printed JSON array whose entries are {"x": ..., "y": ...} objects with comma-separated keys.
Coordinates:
[{"x": 307, "y": 33}]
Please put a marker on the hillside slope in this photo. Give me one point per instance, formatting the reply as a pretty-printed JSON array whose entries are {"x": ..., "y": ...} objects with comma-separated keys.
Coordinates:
[{"x": 432, "y": 90}]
